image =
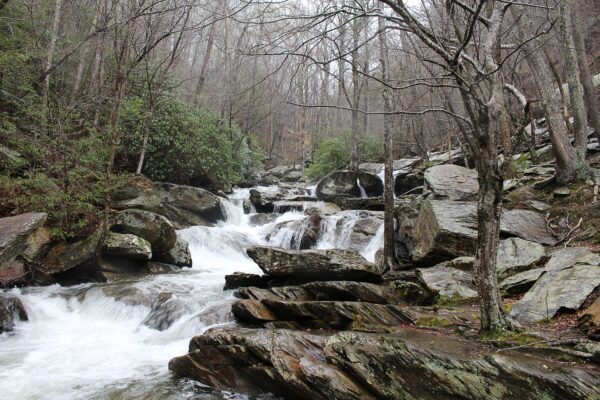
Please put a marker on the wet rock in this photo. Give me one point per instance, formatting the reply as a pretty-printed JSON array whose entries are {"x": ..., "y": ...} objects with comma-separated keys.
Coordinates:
[
  {"x": 356, "y": 365},
  {"x": 313, "y": 265},
  {"x": 407, "y": 211},
  {"x": 183, "y": 206},
  {"x": 240, "y": 279},
  {"x": 179, "y": 255},
  {"x": 127, "y": 245},
  {"x": 263, "y": 218},
  {"x": 166, "y": 309},
  {"x": 261, "y": 204},
  {"x": 287, "y": 293},
  {"x": 65, "y": 256},
  {"x": 11, "y": 310},
  {"x": 448, "y": 283},
  {"x": 516, "y": 255},
  {"x": 589, "y": 321},
  {"x": 571, "y": 276},
  {"x": 360, "y": 203},
  {"x": 521, "y": 282},
  {"x": 17, "y": 235},
  {"x": 110, "y": 265},
  {"x": 448, "y": 229},
  {"x": 451, "y": 182},
  {"x": 333, "y": 314},
  {"x": 152, "y": 227},
  {"x": 407, "y": 181},
  {"x": 345, "y": 183},
  {"x": 160, "y": 268}
]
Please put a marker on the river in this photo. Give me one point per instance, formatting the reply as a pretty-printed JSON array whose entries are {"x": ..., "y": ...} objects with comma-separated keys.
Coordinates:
[{"x": 114, "y": 340}]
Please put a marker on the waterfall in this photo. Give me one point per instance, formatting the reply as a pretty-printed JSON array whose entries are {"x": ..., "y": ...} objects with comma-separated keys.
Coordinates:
[
  {"x": 374, "y": 245},
  {"x": 363, "y": 192}
]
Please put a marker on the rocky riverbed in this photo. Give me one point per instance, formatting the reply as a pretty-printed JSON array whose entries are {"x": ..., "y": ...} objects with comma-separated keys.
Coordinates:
[{"x": 307, "y": 310}]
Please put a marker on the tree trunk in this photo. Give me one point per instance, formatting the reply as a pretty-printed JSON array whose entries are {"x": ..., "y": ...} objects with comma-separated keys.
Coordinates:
[
  {"x": 569, "y": 165},
  {"x": 355, "y": 95},
  {"x": 389, "y": 234},
  {"x": 586, "y": 76},
  {"x": 51, "y": 48},
  {"x": 573, "y": 79},
  {"x": 205, "y": 62},
  {"x": 82, "y": 59}
]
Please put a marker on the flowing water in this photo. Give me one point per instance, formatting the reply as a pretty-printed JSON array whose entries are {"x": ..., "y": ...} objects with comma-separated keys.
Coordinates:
[{"x": 114, "y": 340}]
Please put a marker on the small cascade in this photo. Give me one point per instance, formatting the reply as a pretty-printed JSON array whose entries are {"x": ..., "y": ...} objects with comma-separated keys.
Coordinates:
[
  {"x": 374, "y": 245},
  {"x": 233, "y": 212},
  {"x": 363, "y": 192}
]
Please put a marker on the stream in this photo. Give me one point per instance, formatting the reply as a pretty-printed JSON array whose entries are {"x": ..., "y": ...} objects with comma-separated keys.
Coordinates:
[{"x": 114, "y": 340}]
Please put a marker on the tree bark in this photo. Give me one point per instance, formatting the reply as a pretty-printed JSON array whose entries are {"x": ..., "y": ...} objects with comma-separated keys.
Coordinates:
[
  {"x": 205, "y": 63},
  {"x": 589, "y": 90},
  {"x": 355, "y": 94},
  {"x": 389, "y": 233},
  {"x": 51, "y": 48},
  {"x": 573, "y": 78}
]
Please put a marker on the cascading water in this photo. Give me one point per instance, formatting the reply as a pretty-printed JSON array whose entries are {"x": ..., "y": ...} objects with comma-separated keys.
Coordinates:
[
  {"x": 114, "y": 340},
  {"x": 363, "y": 192}
]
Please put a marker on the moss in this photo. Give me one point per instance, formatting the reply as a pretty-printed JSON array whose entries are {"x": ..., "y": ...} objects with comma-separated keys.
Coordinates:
[
  {"x": 509, "y": 338},
  {"x": 433, "y": 322},
  {"x": 443, "y": 301}
]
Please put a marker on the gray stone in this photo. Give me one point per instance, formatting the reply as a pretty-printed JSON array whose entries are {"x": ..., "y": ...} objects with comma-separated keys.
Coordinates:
[
  {"x": 448, "y": 283},
  {"x": 521, "y": 282},
  {"x": 452, "y": 182},
  {"x": 152, "y": 227},
  {"x": 65, "y": 256},
  {"x": 179, "y": 255},
  {"x": 516, "y": 255},
  {"x": 448, "y": 229},
  {"x": 127, "y": 245},
  {"x": 345, "y": 183},
  {"x": 571, "y": 276},
  {"x": 407, "y": 181},
  {"x": 242, "y": 279},
  {"x": 561, "y": 193},
  {"x": 313, "y": 265},
  {"x": 15, "y": 234},
  {"x": 183, "y": 206}
]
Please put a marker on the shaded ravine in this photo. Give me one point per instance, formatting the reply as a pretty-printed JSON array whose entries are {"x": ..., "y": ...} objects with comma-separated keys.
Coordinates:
[{"x": 114, "y": 340}]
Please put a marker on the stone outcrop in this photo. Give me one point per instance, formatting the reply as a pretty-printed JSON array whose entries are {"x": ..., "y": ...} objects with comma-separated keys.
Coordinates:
[
  {"x": 240, "y": 279},
  {"x": 451, "y": 182},
  {"x": 354, "y": 365},
  {"x": 447, "y": 229},
  {"x": 313, "y": 265},
  {"x": 570, "y": 277},
  {"x": 64, "y": 256},
  {"x": 516, "y": 255},
  {"x": 184, "y": 206},
  {"x": 448, "y": 283},
  {"x": 345, "y": 183},
  {"x": 22, "y": 240},
  {"x": 521, "y": 282},
  {"x": 180, "y": 255}
]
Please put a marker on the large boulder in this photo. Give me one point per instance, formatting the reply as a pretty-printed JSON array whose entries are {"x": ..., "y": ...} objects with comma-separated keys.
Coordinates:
[
  {"x": 127, "y": 245},
  {"x": 314, "y": 265},
  {"x": 448, "y": 283},
  {"x": 65, "y": 256},
  {"x": 243, "y": 279},
  {"x": 22, "y": 240},
  {"x": 408, "y": 182},
  {"x": 152, "y": 227},
  {"x": 184, "y": 206},
  {"x": 571, "y": 276},
  {"x": 520, "y": 282},
  {"x": 452, "y": 182},
  {"x": 516, "y": 255},
  {"x": 346, "y": 183},
  {"x": 410, "y": 364},
  {"x": 11, "y": 310},
  {"x": 447, "y": 229}
]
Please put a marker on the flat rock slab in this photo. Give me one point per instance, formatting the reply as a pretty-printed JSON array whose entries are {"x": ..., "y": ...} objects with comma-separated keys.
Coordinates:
[
  {"x": 314, "y": 265},
  {"x": 516, "y": 255},
  {"x": 412, "y": 364},
  {"x": 448, "y": 229},
  {"x": 451, "y": 182},
  {"x": 570, "y": 277},
  {"x": 333, "y": 314},
  {"x": 521, "y": 282}
]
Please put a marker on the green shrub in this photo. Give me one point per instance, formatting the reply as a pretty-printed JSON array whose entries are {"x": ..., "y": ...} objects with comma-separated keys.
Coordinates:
[{"x": 334, "y": 153}]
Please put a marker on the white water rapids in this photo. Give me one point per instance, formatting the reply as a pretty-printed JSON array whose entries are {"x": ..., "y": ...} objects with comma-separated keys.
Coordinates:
[{"x": 98, "y": 341}]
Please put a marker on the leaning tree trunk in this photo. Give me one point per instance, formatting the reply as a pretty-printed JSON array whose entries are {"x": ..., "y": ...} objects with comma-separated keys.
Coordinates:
[
  {"x": 586, "y": 76},
  {"x": 573, "y": 78},
  {"x": 389, "y": 234},
  {"x": 569, "y": 165}
]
